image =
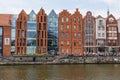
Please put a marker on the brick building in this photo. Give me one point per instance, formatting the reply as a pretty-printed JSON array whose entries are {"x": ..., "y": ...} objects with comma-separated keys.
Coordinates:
[
  {"x": 76, "y": 33},
  {"x": 70, "y": 33},
  {"x": 64, "y": 29},
  {"x": 5, "y": 34},
  {"x": 41, "y": 36},
  {"x": 89, "y": 33},
  {"x": 21, "y": 33},
  {"x": 111, "y": 33}
]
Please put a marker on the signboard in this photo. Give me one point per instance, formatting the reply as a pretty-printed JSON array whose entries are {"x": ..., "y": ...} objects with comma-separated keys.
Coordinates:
[{"x": 7, "y": 41}]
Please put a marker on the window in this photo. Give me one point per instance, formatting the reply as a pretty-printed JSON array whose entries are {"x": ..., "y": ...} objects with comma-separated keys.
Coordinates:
[
  {"x": 79, "y": 43},
  {"x": 74, "y": 27},
  {"x": 23, "y": 33},
  {"x": 110, "y": 28},
  {"x": 78, "y": 35},
  {"x": 62, "y": 19},
  {"x": 67, "y": 27},
  {"x": 98, "y": 27},
  {"x": 103, "y": 35},
  {"x": 62, "y": 50},
  {"x": 61, "y": 43},
  {"x": 114, "y": 41},
  {"x": 62, "y": 27},
  {"x": 25, "y": 24},
  {"x": 110, "y": 34},
  {"x": 44, "y": 18},
  {"x": 74, "y": 19},
  {"x": 68, "y": 43},
  {"x": 66, "y": 35},
  {"x": 44, "y": 27},
  {"x": 41, "y": 18},
  {"x": 100, "y": 22},
  {"x": 66, "y": 50},
  {"x": 114, "y": 28},
  {"x": 79, "y": 28},
  {"x": 42, "y": 34},
  {"x": 74, "y": 43},
  {"x": 75, "y": 34},
  {"x": 20, "y": 24},
  {"x": 41, "y": 42},
  {"x": 99, "y": 35},
  {"x": 78, "y": 19},
  {"x": 62, "y": 35},
  {"x": 67, "y": 19},
  {"x": 103, "y": 28},
  {"x": 114, "y": 35}
]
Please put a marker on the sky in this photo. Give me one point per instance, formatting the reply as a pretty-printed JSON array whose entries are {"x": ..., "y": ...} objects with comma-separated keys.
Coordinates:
[{"x": 97, "y": 7}]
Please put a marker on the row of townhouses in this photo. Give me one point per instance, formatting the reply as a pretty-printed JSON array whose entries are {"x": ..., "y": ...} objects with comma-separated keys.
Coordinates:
[{"x": 63, "y": 33}]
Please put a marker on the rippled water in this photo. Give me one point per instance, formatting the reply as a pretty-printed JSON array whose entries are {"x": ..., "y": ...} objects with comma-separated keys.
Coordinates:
[{"x": 61, "y": 72}]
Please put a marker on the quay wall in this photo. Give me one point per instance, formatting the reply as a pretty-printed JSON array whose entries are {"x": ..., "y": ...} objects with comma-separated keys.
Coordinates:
[{"x": 59, "y": 60}]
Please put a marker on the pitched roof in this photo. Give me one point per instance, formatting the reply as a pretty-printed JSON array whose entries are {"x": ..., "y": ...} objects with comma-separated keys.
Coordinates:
[{"x": 52, "y": 13}]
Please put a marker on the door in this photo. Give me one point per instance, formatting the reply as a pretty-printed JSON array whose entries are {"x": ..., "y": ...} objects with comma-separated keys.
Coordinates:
[{"x": 1, "y": 40}]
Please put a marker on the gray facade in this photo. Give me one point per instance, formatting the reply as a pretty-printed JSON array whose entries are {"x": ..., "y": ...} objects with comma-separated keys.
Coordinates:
[
  {"x": 52, "y": 32},
  {"x": 13, "y": 32},
  {"x": 31, "y": 33}
]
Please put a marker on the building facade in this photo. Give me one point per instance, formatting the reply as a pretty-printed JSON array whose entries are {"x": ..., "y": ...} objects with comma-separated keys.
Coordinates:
[
  {"x": 64, "y": 29},
  {"x": 100, "y": 34},
  {"x": 5, "y": 34},
  {"x": 41, "y": 35},
  {"x": 89, "y": 33},
  {"x": 13, "y": 32},
  {"x": 119, "y": 31},
  {"x": 53, "y": 32},
  {"x": 76, "y": 33},
  {"x": 31, "y": 33},
  {"x": 111, "y": 33},
  {"x": 21, "y": 33}
]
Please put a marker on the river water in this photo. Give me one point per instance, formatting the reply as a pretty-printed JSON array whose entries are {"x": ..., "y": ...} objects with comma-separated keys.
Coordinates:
[{"x": 61, "y": 72}]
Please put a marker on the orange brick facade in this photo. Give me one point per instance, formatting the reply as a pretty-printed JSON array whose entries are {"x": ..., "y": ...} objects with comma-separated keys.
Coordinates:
[
  {"x": 64, "y": 29},
  {"x": 77, "y": 36},
  {"x": 41, "y": 33},
  {"x": 21, "y": 33},
  {"x": 6, "y": 34},
  {"x": 5, "y": 24},
  {"x": 70, "y": 33},
  {"x": 41, "y": 37}
]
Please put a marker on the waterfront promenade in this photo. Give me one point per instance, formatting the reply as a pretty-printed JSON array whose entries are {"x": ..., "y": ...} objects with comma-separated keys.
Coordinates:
[{"x": 59, "y": 60}]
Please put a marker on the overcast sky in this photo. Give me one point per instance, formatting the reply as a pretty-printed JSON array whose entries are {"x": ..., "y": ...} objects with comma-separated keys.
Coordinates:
[{"x": 98, "y": 7}]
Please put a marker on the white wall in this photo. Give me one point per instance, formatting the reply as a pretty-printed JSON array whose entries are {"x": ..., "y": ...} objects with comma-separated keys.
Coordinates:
[{"x": 101, "y": 31}]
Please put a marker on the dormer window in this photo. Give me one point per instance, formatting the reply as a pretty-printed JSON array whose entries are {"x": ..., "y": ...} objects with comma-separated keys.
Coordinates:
[{"x": 111, "y": 19}]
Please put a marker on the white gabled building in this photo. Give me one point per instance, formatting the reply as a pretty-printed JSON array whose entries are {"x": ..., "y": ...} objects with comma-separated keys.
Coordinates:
[{"x": 100, "y": 33}]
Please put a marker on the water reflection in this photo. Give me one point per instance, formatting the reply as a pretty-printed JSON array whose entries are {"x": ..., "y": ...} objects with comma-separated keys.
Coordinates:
[{"x": 61, "y": 72}]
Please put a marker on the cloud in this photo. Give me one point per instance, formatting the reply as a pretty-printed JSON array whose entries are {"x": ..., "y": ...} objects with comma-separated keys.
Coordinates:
[{"x": 111, "y": 2}]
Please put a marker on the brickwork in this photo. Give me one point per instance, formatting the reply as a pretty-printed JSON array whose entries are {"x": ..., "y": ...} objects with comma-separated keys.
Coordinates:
[
  {"x": 89, "y": 32},
  {"x": 77, "y": 36},
  {"x": 111, "y": 31},
  {"x": 21, "y": 33},
  {"x": 41, "y": 37}
]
